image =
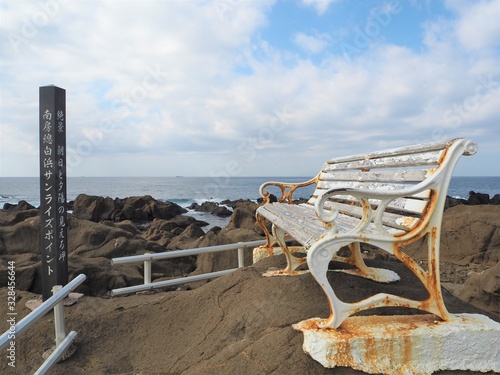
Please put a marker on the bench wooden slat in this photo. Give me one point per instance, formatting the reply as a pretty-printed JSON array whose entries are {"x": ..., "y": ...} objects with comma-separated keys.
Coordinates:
[
  {"x": 426, "y": 147},
  {"x": 302, "y": 224},
  {"x": 392, "y": 220},
  {"x": 415, "y": 204},
  {"x": 410, "y": 206},
  {"x": 396, "y": 161},
  {"x": 285, "y": 216},
  {"x": 327, "y": 185}
]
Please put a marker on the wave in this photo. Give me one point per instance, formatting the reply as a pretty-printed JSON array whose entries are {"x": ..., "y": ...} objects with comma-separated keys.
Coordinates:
[
  {"x": 183, "y": 202},
  {"x": 186, "y": 202}
]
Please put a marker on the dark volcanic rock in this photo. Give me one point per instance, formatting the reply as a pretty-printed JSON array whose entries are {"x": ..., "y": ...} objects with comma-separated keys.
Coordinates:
[
  {"x": 469, "y": 234},
  {"x": 136, "y": 209},
  {"x": 452, "y": 202},
  {"x": 94, "y": 208},
  {"x": 21, "y": 206},
  {"x": 162, "y": 231},
  {"x": 242, "y": 227},
  {"x": 478, "y": 198},
  {"x": 187, "y": 238},
  {"x": 244, "y": 216},
  {"x": 483, "y": 290},
  {"x": 20, "y": 237},
  {"x": 91, "y": 246},
  {"x": 211, "y": 208},
  {"x": 234, "y": 203},
  {"x": 13, "y": 217},
  {"x": 495, "y": 200},
  {"x": 272, "y": 199}
]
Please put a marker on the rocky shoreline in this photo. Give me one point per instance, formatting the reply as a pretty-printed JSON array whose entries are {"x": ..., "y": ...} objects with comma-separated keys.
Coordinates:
[
  {"x": 101, "y": 228},
  {"x": 229, "y": 324}
]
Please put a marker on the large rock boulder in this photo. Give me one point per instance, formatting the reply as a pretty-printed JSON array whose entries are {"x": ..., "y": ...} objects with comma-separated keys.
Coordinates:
[
  {"x": 244, "y": 217},
  {"x": 241, "y": 228},
  {"x": 20, "y": 206},
  {"x": 11, "y": 217},
  {"x": 483, "y": 290},
  {"x": 478, "y": 198},
  {"x": 163, "y": 231},
  {"x": 91, "y": 246},
  {"x": 468, "y": 234},
  {"x": 187, "y": 239},
  {"x": 495, "y": 199},
  {"x": 136, "y": 209},
  {"x": 20, "y": 234},
  {"x": 212, "y": 208},
  {"x": 94, "y": 208}
]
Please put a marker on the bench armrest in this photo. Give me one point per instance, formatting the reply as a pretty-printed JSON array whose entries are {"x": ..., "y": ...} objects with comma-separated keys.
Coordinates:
[
  {"x": 283, "y": 186},
  {"x": 328, "y": 215}
]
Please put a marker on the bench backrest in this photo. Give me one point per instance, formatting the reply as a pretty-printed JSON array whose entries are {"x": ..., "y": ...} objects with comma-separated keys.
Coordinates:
[{"x": 430, "y": 165}]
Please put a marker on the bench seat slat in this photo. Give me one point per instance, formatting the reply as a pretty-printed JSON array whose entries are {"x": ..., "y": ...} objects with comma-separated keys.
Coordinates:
[
  {"x": 409, "y": 205},
  {"x": 392, "y": 220},
  {"x": 301, "y": 223}
]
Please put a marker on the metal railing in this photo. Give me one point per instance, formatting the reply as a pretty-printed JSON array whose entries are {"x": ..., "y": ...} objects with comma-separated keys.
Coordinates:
[
  {"x": 62, "y": 340},
  {"x": 148, "y": 258}
]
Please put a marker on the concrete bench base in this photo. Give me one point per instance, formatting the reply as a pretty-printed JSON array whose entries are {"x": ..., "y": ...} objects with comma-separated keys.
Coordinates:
[{"x": 416, "y": 344}]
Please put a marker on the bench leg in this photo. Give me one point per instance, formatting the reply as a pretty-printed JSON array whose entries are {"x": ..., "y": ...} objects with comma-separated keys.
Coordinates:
[
  {"x": 262, "y": 223},
  {"x": 356, "y": 259},
  {"x": 278, "y": 237},
  {"x": 431, "y": 278},
  {"x": 318, "y": 258},
  {"x": 267, "y": 249},
  {"x": 292, "y": 261}
]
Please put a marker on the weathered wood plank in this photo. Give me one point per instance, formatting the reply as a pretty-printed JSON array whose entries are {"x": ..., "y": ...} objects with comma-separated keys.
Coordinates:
[
  {"x": 396, "y": 161},
  {"x": 415, "y": 203},
  {"x": 426, "y": 147},
  {"x": 402, "y": 222},
  {"x": 391, "y": 175},
  {"x": 300, "y": 231},
  {"x": 374, "y": 186},
  {"x": 301, "y": 222},
  {"x": 408, "y": 205}
]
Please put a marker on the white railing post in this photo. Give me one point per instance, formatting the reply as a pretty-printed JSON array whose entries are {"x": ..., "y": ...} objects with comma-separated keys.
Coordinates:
[
  {"x": 54, "y": 356},
  {"x": 59, "y": 317},
  {"x": 147, "y": 271},
  {"x": 241, "y": 256},
  {"x": 148, "y": 258}
]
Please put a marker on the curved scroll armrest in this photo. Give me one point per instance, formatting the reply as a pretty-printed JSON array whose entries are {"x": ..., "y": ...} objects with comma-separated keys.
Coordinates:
[
  {"x": 329, "y": 215},
  {"x": 283, "y": 186}
]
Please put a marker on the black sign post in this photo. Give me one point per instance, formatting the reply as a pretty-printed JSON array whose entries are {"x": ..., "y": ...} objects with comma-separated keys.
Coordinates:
[{"x": 53, "y": 215}]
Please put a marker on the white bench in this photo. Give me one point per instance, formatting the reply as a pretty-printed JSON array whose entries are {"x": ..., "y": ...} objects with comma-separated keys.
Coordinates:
[{"x": 387, "y": 199}]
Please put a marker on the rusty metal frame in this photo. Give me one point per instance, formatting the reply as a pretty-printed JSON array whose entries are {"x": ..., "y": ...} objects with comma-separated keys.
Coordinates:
[{"x": 324, "y": 249}]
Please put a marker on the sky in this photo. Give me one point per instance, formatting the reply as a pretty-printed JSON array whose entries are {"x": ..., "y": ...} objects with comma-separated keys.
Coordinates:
[{"x": 248, "y": 88}]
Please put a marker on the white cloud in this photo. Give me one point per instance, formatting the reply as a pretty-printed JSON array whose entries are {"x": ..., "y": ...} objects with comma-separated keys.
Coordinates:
[
  {"x": 187, "y": 88},
  {"x": 478, "y": 27},
  {"x": 311, "y": 44},
  {"x": 321, "y": 6}
]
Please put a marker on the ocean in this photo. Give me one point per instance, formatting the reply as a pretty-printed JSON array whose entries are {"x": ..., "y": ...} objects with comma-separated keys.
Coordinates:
[{"x": 187, "y": 190}]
